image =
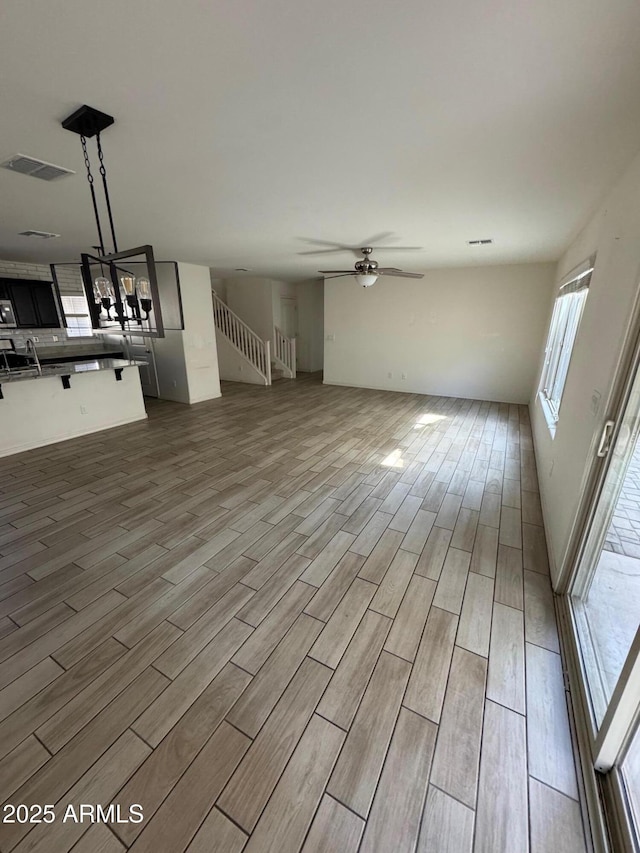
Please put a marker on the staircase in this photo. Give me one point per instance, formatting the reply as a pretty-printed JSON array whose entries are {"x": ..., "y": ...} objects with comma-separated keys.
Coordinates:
[
  {"x": 270, "y": 366},
  {"x": 284, "y": 355},
  {"x": 256, "y": 351}
]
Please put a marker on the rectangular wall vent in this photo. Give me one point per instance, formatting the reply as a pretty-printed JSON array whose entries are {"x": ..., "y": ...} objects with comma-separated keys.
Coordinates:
[
  {"x": 24, "y": 165},
  {"x": 486, "y": 242},
  {"x": 43, "y": 235}
]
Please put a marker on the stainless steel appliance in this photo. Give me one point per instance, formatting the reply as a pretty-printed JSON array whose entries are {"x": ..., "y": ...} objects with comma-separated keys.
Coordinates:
[{"x": 7, "y": 317}]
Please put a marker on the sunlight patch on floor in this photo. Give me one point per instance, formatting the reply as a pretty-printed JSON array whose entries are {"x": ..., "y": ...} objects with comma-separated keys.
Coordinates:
[
  {"x": 394, "y": 459},
  {"x": 425, "y": 420}
]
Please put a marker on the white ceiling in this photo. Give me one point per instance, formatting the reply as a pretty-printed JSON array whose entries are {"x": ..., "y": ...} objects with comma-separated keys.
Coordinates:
[{"x": 244, "y": 128}]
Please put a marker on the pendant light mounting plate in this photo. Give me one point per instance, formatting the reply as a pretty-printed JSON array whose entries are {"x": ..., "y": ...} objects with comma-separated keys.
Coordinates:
[{"x": 87, "y": 121}]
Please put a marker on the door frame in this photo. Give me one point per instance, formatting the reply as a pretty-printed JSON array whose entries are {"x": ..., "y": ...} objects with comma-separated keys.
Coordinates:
[
  {"x": 596, "y": 472},
  {"x": 290, "y": 302}
]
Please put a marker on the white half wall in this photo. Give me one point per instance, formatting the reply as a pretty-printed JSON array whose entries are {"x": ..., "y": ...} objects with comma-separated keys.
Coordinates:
[
  {"x": 564, "y": 461},
  {"x": 233, "y": 366},
  {"x": 471, "y": 332},
  {"x": 40, "y": 411}
]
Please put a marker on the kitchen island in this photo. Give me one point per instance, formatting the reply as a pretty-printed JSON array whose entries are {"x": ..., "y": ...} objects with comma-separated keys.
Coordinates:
[{"x": 60, "y": 401}]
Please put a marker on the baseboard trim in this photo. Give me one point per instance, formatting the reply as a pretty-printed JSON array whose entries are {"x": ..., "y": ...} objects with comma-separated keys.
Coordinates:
[{"x": 423, "y": 393}]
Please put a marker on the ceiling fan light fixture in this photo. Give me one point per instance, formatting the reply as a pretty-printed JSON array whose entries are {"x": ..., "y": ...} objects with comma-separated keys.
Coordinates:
[{"x": 366, "y": 279}]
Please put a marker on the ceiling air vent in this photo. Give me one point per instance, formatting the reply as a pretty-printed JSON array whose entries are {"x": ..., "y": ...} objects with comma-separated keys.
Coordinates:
[
  {"x": 486, "y": 242},
  {"x": 36, "y": 168},
  {"x": 43, "y": 235}
]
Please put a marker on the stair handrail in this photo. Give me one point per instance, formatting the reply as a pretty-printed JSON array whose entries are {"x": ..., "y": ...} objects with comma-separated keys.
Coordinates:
[
  {"x": 242, "y": 337},
  {"x": 285, "y": 351}
]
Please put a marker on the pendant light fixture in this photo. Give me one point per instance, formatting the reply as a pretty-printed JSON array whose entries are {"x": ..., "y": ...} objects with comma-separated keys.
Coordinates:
[
  {"x": 88, "y": 122},
  {"x": 119, "y": 288}
]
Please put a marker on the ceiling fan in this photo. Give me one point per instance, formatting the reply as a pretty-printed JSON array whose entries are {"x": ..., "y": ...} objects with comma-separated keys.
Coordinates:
[{"x": 367, "y": 271}]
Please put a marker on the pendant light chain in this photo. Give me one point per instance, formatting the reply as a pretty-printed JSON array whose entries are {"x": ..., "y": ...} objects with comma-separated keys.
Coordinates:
[
  {"x": 103, "y": 172},
  {"x": 93, "y": 192}
]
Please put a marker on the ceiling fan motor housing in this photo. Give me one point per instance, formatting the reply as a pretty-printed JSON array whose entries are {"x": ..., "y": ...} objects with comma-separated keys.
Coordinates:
[
  {"x": 366, "y": 267},
  {"x": 367, "y": 271}
]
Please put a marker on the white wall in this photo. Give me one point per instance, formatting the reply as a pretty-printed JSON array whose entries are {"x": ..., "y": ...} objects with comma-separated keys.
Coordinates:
[
  {"x": 187, "y": 361},
  {"x": 220, "y": 286},
  {"x": 252, "y": 300},
  {"x": 279, "y": 290},
  {"x": 310, "y": 342},
  {"x": 563, "y": 462},
  {"x": 199, "y": 336},
  {"x": 471, "y": 332}
]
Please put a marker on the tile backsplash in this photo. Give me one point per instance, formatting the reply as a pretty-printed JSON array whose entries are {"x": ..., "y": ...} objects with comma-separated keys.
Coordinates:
[
  {"x": 69, "y": 278},
  {"x": 69, "y": 282},
  {"x": 45, "y": 337}
]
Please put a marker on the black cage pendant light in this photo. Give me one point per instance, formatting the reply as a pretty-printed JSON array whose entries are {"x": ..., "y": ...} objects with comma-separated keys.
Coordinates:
[
  {"x": 88, "y": 122},
  {"x": 132, "y": 297}
]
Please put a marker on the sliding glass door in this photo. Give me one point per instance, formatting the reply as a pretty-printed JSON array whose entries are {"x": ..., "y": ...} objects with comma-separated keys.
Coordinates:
[{"x": 605, "y": 604}]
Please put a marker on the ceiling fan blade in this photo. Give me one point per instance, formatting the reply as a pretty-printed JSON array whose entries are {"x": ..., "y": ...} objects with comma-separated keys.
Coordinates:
[
  {"x": 342, "y": 275},
  {"x": 311, "y": 241},
  {"x": 406, "y": 274},
  {"x": 330, "y": 251},
  {"x": 386, "y": 235},
  {"x": 338, "y": 272},
  {"x": 397, "y": 248},
  {"x": 389, "y": 270},
  {"x": 399, "y": 273}
]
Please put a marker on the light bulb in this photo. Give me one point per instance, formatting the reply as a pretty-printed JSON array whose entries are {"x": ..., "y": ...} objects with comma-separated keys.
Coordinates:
[
  {"x": 102, "y": 288},
  {"x": 128, "y": 284},
  {"x": 143, "y": 287}
]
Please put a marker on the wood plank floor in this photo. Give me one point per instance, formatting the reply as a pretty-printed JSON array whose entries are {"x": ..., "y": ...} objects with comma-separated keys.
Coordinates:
[{"x": 298, "y": 618}]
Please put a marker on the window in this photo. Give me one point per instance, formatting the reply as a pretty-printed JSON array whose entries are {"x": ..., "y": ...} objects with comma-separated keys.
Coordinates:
[
  {"x": 76, "y": 312},
  {"x": 565, "y": 320}
]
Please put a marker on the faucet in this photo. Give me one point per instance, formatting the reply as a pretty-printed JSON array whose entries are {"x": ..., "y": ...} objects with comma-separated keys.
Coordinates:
[{"x": 31, "y": 347}]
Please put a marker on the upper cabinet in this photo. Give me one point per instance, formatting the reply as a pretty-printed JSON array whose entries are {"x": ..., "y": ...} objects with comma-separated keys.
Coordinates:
[
  {"x": 45, "y": 305},
  {"x": 33, "y": 303}
]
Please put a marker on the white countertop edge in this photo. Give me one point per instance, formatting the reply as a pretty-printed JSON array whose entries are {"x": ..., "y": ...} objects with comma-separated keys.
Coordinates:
[{"x": 73, "y": 369}]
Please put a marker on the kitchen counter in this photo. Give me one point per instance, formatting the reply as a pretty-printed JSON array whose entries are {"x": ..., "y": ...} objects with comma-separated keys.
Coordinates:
[
  {"x": 66, "y": 401},
  {"x": 69, "y": 368},
  {"x": 56, "y": 351}
]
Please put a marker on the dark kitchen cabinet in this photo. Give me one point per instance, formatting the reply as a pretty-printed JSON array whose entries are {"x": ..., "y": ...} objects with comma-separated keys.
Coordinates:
[
  {"x": 33, "y": 303},
  {"x": 23, "y": 305},
  {"x": 45, "y": 304}
]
